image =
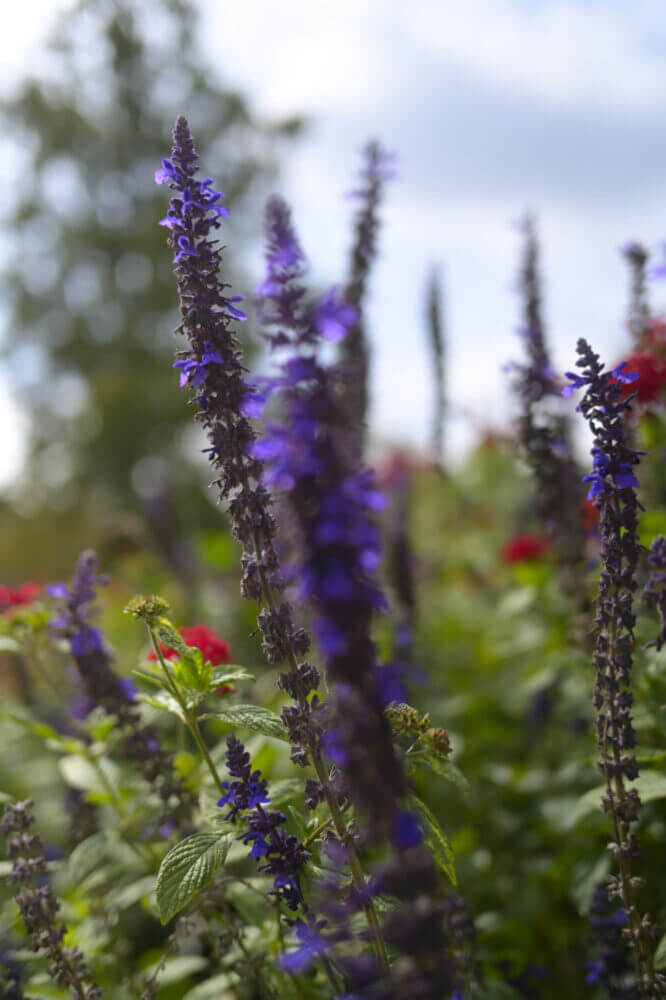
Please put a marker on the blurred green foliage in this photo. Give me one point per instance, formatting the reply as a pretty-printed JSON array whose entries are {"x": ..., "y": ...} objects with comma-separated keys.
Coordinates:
[
  {"x": 90, "y": 298},
  {"x": 500, "y": 663}
]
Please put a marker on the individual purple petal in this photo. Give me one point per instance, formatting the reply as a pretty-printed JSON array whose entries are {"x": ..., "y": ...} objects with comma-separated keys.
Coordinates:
[
  {"x": 253, "y": 405},
  {"x": 406, "y": 830}
]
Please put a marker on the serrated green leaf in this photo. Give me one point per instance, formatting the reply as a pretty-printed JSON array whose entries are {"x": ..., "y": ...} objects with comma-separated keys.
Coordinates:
[
  {"x": 187, "y": 868},
  {"x": 229, "y": 672},
  {"x": 443, "y": 768},
  {"x": 436, "y": 839},
  {"x": 252, "y": 717},
  {"x": 164, "y": 701},
  {"x": 192, "y": 672}
]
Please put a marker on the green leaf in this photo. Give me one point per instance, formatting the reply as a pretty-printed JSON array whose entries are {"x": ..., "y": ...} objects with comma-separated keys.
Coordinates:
[
  {"x": 79, "y": 772},
  {"x": 443, "y": 768},
  {"x": 192, "y": 672},
  {"x": 87, "y": 855},
  {"x": 177, "y": 968},
  {"x": 252, "y": 717},
  {"x": 213, "y": 988},
  {"x": 164, "y": 701},
  {"x": 436, "y": 839},
  {"x": 39, "y": 729},
  {"x": 649, "y": 785},
  {"x": 285, "y": 790},
  {"x": 169, "y": 637},
  {"x": 660, "y": 954},
  {"x": 188, "y": 867},
  {"x": 230, "y": 672},
  {"x": 128, "y": 895},
  {"x": 150, "y": 676}
]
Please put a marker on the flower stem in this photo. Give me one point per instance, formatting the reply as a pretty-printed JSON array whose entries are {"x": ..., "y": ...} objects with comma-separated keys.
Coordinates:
[{"x": 188, "y": 717}]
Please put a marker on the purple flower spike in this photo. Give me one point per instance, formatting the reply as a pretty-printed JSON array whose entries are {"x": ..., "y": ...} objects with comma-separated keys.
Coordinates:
[
  {"x": 612, "y": 490},
  {"x": 284, "y": 854},
  {"x": 333, "y": 317}
]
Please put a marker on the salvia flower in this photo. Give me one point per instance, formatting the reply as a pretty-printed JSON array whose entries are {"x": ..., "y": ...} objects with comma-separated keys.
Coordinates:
[
  {"x": 38, "y": 906},
  {"x": 213, "y": 368},
  {"x": 376, "y": 171},
  {"x": 654, "y": 594},
  {"x": 658, "y": 270},
  {"x": 102, "y": 686},
  {"x": 74, "y": 623},
  {"x": 11, "y": 974},
  {"x": 544, "y": 434},
  {"x": 611, "y": 967},
  {"x": 639, "y": 311},
  {"x": 612, "y": 490},
  {"x": 283, "y": 856},
  {"x": 335, "y": 557},
  {"x": 438, "y": 350}
]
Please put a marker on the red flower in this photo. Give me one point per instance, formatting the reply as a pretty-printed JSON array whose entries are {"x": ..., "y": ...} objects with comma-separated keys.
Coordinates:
[
  {"x": 15, "y": 597},
  {"x": 394, "y": 471},
  {"x": 522, "y": 548},
  {"x": 214, "y": 649},
  {"x": 651, "y": 369},
  {"x": 589, "y": 515},
  {"x": 655, "y": 334}
]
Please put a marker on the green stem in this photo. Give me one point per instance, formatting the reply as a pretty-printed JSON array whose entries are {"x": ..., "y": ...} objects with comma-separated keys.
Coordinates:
[
  {"x": 319, "y": 829},
  {"x": 189, "y": 718}
]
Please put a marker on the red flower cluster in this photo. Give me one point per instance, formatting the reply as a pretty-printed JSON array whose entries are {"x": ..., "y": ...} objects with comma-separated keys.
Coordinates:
[
  {"x": 589, "y": 515},
  {"x": 215, "y": 650},
  {"x": 655, "y": 335},
  {"x": 15, "y": 597},
  {"x": 651, "y": 369},
  {"x": 523, "y": 548}
]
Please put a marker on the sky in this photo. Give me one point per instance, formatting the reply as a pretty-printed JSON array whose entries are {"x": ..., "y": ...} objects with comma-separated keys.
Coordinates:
[{"x": 493, "y": 107}]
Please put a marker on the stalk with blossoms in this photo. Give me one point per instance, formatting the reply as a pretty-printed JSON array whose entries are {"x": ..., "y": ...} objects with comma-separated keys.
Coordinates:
[
  {"x": 613, "y": 491},
  {"x": 104, "y": 688},
  {"x": 355, "y": 350},
  {"x": 335, "y": 557},
  {"x": 636, "y": 257},
  {"x": 212, "y": 366},
  {"x": 544, "y": 436},
  {"x": 438, "y": 352}
]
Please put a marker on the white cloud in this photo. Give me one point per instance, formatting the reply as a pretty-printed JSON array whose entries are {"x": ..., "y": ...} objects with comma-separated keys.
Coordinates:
[{"x": 560, "y": 52}]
